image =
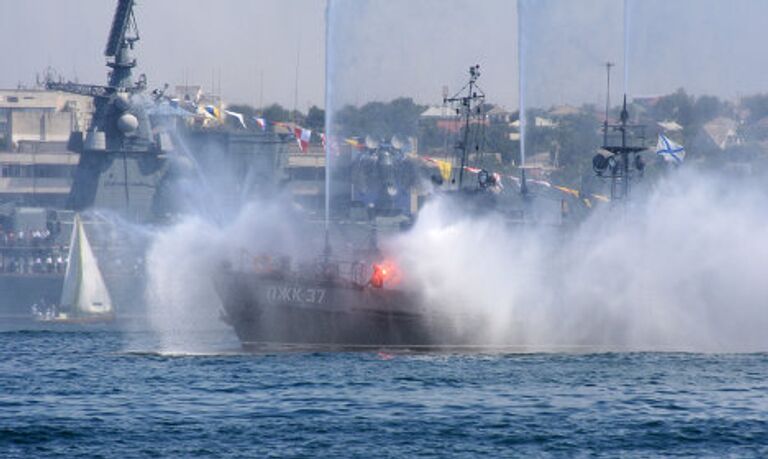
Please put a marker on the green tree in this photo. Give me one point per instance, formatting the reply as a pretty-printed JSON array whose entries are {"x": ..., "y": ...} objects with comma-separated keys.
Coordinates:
[
  {"x": 498, "y": 141},
  {"x": 706, "y": 109},
  {"x": 577, "y": 137},
  {"x": 315, "y": 119},
  {"x": 380, "y": 119},
  {"x": 757, "y": 106},
  {"x": 276, "y": 112}
]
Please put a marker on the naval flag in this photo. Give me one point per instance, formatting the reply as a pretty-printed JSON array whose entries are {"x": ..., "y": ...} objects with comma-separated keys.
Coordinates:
[{"x": 669, "y": 150}]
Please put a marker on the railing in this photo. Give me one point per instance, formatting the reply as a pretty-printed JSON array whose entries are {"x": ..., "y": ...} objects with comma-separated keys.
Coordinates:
[
  {"x": 355, "y": 271},
  {"x": 32, "y": 267}
]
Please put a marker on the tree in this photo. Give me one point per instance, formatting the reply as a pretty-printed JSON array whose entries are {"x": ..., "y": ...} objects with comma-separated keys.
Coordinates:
[
  {"x": 276, "y": 112},
  {"x": 757, "y": 106},
  {"x": 497, "y": 141},
  {"x": 706, "y": 109},
  {"x": 315, "y": 119},
  {"x": 576, "y": 139},
  {"x": 379, "y": 119}
]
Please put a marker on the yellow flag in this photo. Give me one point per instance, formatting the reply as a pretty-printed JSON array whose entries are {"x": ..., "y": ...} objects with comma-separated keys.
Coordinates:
[
  {"x": 571, "y": 191},
  {"x": 445, "y": 168}
]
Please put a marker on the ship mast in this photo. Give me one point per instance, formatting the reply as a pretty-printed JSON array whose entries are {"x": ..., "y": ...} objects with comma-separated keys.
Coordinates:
[
  {"x": 623, "y": 142},
  {"x": 122, "y": 36},
  {"x": 469, "y": 104}
]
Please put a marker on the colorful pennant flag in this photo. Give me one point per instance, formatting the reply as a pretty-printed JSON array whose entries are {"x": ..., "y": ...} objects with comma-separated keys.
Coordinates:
[
  {"x": 445, "y": 167},
  {"x": 213, "y": 111},
  {"x": 571, "y": 191},
  {"x": 497, "y": 177},
  {"x": 354, "y": 142},
  {"x": 303, "y": 137},
  {"x": 261, "y": 122},
  {"x": 238, "y": 116}
]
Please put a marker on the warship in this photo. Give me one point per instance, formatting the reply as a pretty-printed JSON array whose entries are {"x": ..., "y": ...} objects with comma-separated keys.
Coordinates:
[
  {"x": 330, "y": 301},
  {"x": 338, "y": 303},
  {"x": 127, "y": 149},
  {"x": 333, "y": 307},
  {"x": 366, "y": 302}
]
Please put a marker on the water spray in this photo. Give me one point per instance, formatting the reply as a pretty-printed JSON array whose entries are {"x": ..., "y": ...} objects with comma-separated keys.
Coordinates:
[
  {"x": 328, "y": 127},
  {"x": 521, "y": 44}
]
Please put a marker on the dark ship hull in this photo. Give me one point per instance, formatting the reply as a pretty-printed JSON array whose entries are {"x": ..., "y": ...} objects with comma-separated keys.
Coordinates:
[{"x": 273, "y": 309}]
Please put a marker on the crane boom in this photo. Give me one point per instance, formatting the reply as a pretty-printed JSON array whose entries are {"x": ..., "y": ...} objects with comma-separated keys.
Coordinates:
[
  {"x": 120, "y": 23},
  {"x": 91, "y": 90}
]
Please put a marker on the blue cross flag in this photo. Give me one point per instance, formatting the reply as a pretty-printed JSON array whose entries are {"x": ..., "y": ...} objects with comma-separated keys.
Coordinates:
[{"x": 669, "y": 150}]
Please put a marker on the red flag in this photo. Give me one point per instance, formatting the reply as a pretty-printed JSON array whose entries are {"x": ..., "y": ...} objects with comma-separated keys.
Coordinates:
[{"x": 302, "y": 137}]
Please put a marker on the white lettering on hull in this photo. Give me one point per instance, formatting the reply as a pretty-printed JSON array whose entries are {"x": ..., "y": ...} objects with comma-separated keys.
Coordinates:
[{"x": 289, "y": 294}]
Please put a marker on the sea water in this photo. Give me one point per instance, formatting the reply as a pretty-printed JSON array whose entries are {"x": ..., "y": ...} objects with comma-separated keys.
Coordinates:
[{"x": 107, "y": 393}]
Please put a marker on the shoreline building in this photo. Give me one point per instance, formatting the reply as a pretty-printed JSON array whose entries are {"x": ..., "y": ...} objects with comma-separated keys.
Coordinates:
[{"x": 36, "y": 167}]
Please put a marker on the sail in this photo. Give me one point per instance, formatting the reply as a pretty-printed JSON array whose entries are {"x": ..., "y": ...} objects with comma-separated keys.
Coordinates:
[
  {"x": 84, "y": 291},
  {"x": 71, "y": 276}
]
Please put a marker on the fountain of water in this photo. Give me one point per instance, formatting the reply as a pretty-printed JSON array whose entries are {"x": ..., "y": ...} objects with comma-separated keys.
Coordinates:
[{"x": 521, "y": 59}]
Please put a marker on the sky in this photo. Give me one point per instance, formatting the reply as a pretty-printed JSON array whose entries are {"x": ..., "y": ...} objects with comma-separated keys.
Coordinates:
[
  {"x": 382, "y": 49},
  {"x": 181, "y": 40}
]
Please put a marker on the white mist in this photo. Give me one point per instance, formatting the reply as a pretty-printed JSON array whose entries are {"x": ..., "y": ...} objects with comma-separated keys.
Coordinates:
[{"x": 685, "y": 271}]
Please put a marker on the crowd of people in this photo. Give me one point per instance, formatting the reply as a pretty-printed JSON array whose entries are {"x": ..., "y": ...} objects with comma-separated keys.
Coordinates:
[
  {"x": 32, "y": 251},
  {"x": 27, "y": 238},
  {"x": 41, "y": 261}
]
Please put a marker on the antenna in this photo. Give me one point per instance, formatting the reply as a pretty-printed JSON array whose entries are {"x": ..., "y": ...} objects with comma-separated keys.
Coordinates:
[
  {"x": 608, "y": 66},
  {"x": 296, "y": 80},
  {"x": 261, "y": 91}
]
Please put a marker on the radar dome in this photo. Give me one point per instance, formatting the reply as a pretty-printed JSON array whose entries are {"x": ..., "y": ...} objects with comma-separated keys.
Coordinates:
[{"x": 127, "y": 123}]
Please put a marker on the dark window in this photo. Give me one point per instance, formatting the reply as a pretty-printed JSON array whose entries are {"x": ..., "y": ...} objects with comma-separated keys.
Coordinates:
[{"x": 11, "y": 170}]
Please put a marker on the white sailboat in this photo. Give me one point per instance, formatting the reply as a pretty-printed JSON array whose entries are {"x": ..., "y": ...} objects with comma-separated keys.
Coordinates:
[{"x": 84, "y": 297}]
